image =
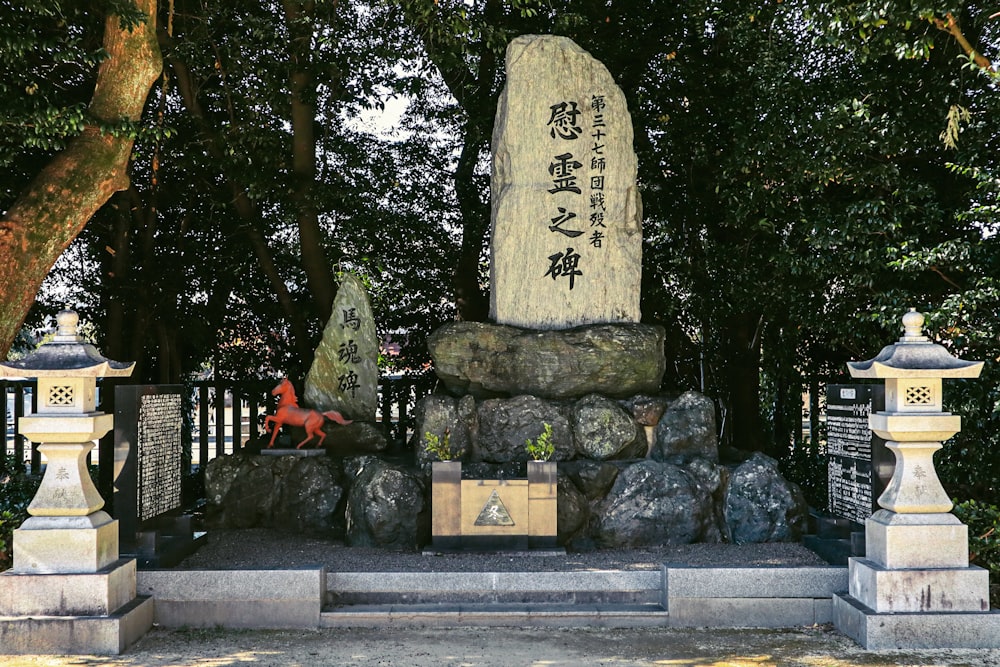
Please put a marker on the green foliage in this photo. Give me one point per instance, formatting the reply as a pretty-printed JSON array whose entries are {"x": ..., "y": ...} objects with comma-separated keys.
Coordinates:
[
  {"x": 541, "y": 448},
  {"x": 441, "y": 446},
  {"x": 807, "y": 466},
  {"x": 17, "y": 488},
  {"x": 983, "y": 520}
]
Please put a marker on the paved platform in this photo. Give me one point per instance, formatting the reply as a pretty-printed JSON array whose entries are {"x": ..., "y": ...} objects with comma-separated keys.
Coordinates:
[{"x": 677, "y": 596}]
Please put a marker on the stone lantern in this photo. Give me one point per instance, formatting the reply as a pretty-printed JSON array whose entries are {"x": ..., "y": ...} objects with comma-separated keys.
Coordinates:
[
  {"x": 914, "y": 587},
  {"x": 66, "y": 563}
]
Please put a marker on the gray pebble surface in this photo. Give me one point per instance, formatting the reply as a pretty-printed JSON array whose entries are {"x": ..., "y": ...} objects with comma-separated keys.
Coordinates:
[{"x": 256, "y": 548}]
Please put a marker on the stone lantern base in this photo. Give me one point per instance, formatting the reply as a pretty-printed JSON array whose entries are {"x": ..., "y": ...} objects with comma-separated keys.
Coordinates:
[
  {"x": 915, "y": 588},
  {"x": 68, "y": 592},
  {"x": 915, "y": 630},
  {"x": 65, "y": 544},
  {"x": 73, "y": 613}
]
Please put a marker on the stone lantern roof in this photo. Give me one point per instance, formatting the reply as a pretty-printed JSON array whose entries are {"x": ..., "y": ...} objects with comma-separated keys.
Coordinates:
[
  {"x": 66, "y": 355},
  {"x": 915, "y": 356}
]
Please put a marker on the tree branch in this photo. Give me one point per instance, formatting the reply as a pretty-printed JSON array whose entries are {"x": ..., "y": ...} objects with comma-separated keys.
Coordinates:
[{"x": 949, "y": 24}]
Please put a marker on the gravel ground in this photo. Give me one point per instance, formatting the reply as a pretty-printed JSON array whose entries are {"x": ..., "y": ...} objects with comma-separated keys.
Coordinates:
[
  {"x": 267, "y": 549},
  {"x": 506, "y": 647}
]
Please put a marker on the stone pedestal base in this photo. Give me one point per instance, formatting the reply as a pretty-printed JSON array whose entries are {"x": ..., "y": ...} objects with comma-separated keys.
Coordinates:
[
  {"x": 88, "y": 635},
  {"x": 94, "y": 612},
  {"x": 886, "y": 590},
  {"x": 66, "y": 544},
  {"x": 915, "y": 630},
  {"x": 94, "y": 594},
  {"x": 916, "y": 540}
]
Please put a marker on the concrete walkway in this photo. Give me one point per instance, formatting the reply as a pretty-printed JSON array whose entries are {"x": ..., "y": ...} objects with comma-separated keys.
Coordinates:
[{"x": 483, "y": 647}]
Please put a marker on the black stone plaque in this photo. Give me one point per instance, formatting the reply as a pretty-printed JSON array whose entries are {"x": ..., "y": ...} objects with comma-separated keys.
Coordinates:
[
  {"x": 859, "y": 466},
  {"x": 148, "y": 471}
]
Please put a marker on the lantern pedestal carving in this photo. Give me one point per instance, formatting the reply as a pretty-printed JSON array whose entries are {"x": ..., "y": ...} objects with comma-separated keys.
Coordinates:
[
  {"x": 68, "y": 591},
  {"x": 915, "y": 587}
]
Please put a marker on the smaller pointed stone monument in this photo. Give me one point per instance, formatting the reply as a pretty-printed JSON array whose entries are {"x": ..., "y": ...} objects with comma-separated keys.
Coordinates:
[
  {"x": 567, "y": 217},
  {"x": 344, "y": 373}
]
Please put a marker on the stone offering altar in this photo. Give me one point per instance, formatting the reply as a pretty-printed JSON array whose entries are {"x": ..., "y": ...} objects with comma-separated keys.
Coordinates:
[
  {"x": 915, "y": 587},
  {"x": 68, "y": 591}
]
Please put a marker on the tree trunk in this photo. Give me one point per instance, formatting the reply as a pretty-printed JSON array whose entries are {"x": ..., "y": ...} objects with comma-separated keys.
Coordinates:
[
  {"x": 319, "y": 274},
  {"x": 248, "y": 212},
  {"x": 742, "y": 356},
  {"x": 79, "y": 180}
]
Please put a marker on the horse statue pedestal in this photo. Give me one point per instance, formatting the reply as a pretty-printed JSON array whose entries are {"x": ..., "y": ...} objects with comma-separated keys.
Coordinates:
[{"x": 293, "y": 452}]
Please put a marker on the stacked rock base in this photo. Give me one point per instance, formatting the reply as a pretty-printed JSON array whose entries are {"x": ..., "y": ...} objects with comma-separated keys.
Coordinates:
[
  {"x": 635, "y": 468},
  {"x": 915, "y": 588}
]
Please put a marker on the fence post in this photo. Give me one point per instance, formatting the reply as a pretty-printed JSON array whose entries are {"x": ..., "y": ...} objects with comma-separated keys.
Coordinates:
[{"x": 220, "y": 420}]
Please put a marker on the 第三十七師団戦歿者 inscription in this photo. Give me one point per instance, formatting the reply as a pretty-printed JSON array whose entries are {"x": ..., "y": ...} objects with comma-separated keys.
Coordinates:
[{"x": 566, "y": 235}]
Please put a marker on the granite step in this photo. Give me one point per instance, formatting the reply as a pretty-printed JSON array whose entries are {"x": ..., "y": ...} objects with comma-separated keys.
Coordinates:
[
  {"x": 609, "y": 598},
  {"x": 495, "y": 615},
  {"x": 600, "y": 587}
]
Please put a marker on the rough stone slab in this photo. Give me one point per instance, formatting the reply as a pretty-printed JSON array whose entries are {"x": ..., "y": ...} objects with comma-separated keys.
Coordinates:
[
  {"x": 344, "y": 373},
  {"x": 97, "y": 594},
  {"x": 567, "y": 218},
  {"x": 742, "y": 612},
  {"x": 77, "y": 635},
  {"x": 913, "y": 590},
  {"x": 235, "y": 598},
  {"x": 915, "y": 630},
  {"x": 900, "y": 540},
  {"x": 488, "y": 360},
  {"x": 754, "y": 582}
]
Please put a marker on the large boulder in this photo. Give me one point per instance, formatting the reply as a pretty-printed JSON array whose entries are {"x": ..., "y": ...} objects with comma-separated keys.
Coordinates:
[
  {"x": 489, "y": 360},
  {"x": 241, "y": 491},
  {"x": 653, "y": 503},
  {"x": 385, "y": 507},
  {"x": 593, "y": 478},
  {"x": 297, "y": 494},
  {"x": 686, "y": 431},
  {"x": 572, "y": 510},
  {"x": 354, "y": 439},
  {"x": 602, "y": 430},
  {"x": 309, "y": 500},
  {"x": 761, "y": 505},
  {"x": 506, "y": 424}
]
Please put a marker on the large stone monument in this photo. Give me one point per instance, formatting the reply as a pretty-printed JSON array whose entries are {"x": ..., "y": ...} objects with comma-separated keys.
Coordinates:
[
  {"x": 567, "y": 218},
  {"x": 915, "y": 587},
  {"x": 344, "y": 373},
  {"x": 68, "y": 591}
]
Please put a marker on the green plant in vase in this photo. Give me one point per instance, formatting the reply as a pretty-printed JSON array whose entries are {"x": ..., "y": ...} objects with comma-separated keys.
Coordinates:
[
  {"x": 541, "y": 448},
  {"x": 441, "y": 446}
]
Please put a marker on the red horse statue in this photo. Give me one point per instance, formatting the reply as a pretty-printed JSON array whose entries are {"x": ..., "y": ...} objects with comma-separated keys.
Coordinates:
[{"x": 290, "y": 413}]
